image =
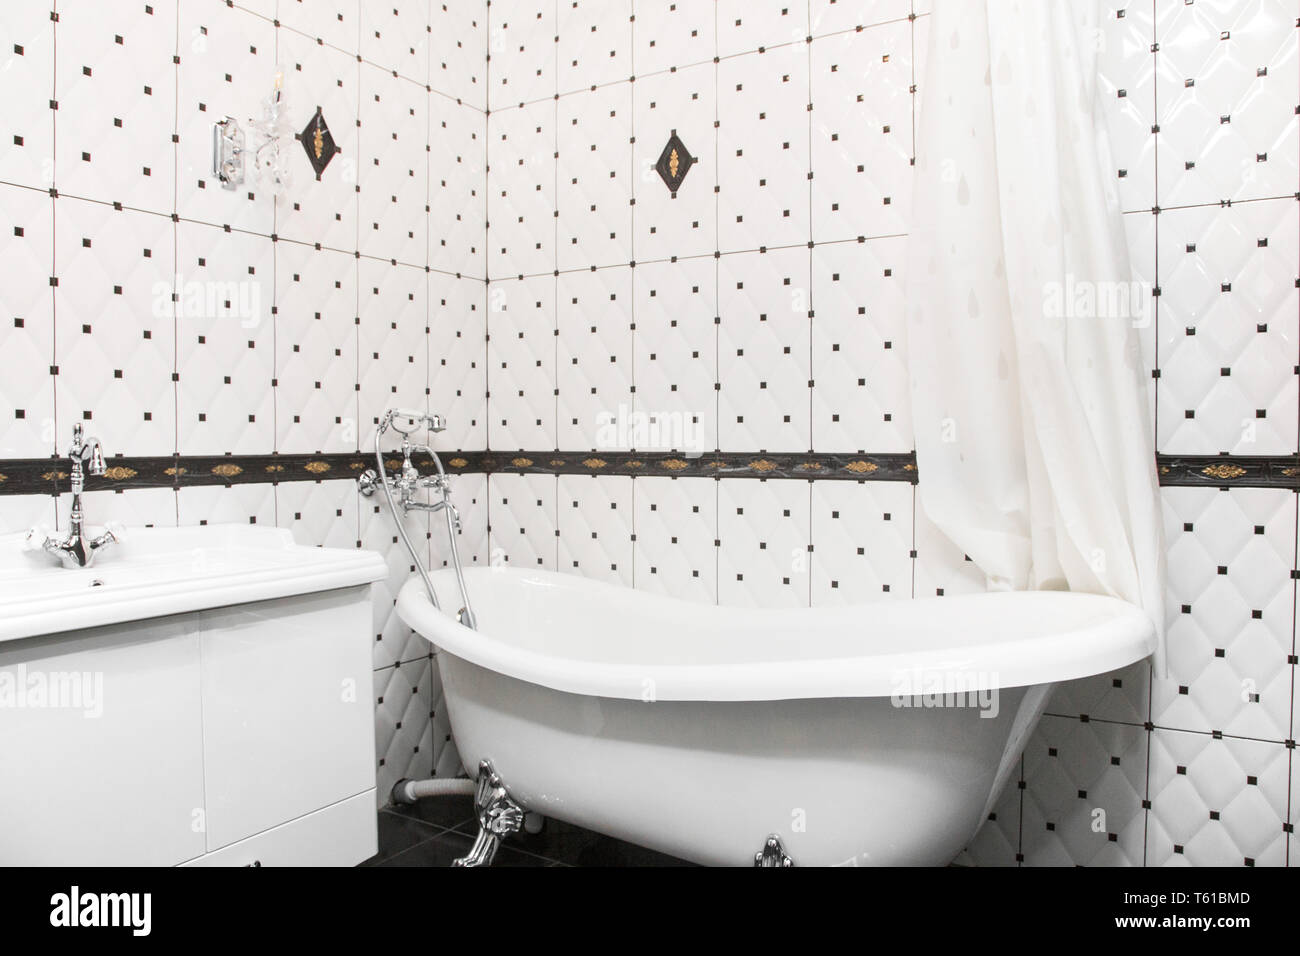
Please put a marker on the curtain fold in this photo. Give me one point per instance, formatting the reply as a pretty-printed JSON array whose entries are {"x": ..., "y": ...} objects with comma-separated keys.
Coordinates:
[{"x": 1031, "y": 415}]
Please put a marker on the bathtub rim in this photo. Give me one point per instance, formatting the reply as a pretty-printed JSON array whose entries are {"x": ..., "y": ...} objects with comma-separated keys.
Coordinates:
[{"x": 1045, "y": 659}]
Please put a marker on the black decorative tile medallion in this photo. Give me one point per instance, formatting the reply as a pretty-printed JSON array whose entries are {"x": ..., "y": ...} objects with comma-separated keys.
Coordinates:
[
  {"x": 319, "y": 143},
  {"x": 674, "y": 163}
]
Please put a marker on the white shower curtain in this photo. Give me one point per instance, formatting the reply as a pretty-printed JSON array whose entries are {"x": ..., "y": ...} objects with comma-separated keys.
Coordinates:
[{"x": 1032, "y": 422}]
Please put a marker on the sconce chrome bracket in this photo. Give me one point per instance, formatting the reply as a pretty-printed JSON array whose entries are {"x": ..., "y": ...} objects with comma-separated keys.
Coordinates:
[
  {"x": 773, "y": 853},
  {"x": 228, "y": 153},
  {"x": 498, "y": 817}
]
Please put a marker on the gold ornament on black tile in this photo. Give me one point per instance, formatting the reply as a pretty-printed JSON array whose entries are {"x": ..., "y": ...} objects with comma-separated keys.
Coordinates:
[
  {"x": 319, "y": 143},
  {"x": 674, "y": 163}
]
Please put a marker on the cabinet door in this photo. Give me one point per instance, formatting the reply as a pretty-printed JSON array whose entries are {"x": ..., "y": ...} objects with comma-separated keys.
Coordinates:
[
  {"x": 99, "y": 756},
  {"x": 288, "y": 720}
]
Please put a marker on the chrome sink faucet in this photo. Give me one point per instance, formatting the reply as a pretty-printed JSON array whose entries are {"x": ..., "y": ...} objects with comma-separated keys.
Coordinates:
[{"x": 77, "y": 550}]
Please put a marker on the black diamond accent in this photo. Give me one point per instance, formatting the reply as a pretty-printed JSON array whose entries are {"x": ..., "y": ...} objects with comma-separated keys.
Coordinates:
[
  {"x": 674, "y": 154},
  {"x": 318, "y": 142}
]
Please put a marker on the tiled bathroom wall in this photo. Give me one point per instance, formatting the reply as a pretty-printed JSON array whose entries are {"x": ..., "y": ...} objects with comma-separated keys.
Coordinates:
[
  {"x": 755, "y": 310},
  {"x": 296, "y": 322},
  {"x": 762, "y": 304}
]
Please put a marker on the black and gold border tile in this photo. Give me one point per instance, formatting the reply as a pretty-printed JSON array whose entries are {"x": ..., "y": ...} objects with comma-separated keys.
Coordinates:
[{"x": 25, "y": 476}]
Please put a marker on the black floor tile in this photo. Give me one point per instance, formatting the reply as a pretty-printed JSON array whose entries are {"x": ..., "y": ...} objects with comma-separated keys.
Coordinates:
[
  {"x": 442, "y": 812},
  {"x": 398, "y": 833},
  {"x": 440, "y": 850},
  {"x": 575, "y": 846}
]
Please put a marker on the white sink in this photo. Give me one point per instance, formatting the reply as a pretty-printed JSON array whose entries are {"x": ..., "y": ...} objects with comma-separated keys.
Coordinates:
[{"x": 152, "y": 572}]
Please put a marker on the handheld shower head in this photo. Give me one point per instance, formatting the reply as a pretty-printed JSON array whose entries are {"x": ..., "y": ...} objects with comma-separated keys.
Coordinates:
[{"x": 433, "y": 423}]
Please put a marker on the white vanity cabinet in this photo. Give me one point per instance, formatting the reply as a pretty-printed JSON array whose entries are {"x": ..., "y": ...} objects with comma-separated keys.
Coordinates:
[{"x": 239, "y": 733}]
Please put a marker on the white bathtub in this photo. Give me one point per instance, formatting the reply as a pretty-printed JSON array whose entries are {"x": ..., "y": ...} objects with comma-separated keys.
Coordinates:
[{"x": 699, "y": 730}]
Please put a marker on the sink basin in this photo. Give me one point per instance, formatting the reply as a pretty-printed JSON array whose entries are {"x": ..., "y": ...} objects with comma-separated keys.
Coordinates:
[{"x": 152, "y": 572}]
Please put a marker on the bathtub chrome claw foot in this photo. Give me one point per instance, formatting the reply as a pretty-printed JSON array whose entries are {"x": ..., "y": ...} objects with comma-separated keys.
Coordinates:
[
  {"x": 773, "y": 853},
  {"x": 498, "y": 817}
]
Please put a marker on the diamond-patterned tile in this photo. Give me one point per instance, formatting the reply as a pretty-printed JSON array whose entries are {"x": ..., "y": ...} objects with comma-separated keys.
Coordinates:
[
  {"x": 521, "y": 364},
  {"x": 763, "y": 351},
  {"x": 594, "y": 351},
  {"x": 1085, "y": 782},
  {"x": 116, "y": 89},
  {"x": 862, "y": 540},
  {"x": 27, "y": 428},
  {"x": 523, "y": 521},
  {"x": 1217, "y": 802},
  {"x": 676, "y": 533},
  {"x": 596, "y": 517},
  {"x": 764, "y": 530}
]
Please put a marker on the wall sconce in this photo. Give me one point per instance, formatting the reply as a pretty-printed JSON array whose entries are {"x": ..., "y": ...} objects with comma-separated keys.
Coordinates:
[
  {"x": 270, "y": 161},
  {"x": 228, "y": 153}
]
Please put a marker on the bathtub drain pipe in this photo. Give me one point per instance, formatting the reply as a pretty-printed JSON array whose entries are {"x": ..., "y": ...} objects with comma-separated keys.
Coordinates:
[{"x": 409, "y": 791}]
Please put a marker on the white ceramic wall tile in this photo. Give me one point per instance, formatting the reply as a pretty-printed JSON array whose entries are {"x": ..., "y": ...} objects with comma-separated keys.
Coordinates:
[
  {"x": 1085, "y": 783},
  {"x": 394, "y": 641},
  {"x": 523, "y": 521},
  {"x": 227, "y": 68},
  {"x": 446, "y": 761},
  {"x": 116, "y": 89},
  {"x": 675, "y": 348},
  {"x": 18, "y": 513},
  {"x": 997, "y": 842},
  {"x": 469, "y": 493},
  {"x": 862, "y": 140},
  {"x": 748, "y": 25},
  {"x": 315, "y": 350},
  {"x": 1226, "y": 95},
  {"x": 27, "y": 427},
  {"x": 458, "y": 359},
  {"x": 131, "y": 508},
  {"x": 763, "y": 157},
  {"x": 594, "y": 173},
  {"x": 335, "y": 22},
  {"x": 1229, "y": 334},
  {"x": 224, "y": 341},
  {"x": 521, "y": 45},
  {"x": 521, "y": 198},
  {"x": 27, "y": 126},
  {"x": 1123, "y": 695},
  {"x": 1217, "y": 802},
  {"x": 394, "y": 353},
  {"x": 676, "y": 537},
  {"x": 862, "y": 541},
  {"x": 833, "y": 16},
  {"x": 393, "y": 179},
  {"x": 669, "y": 34},
  {"x": 115, "y": 326},
  {"x": 457, "y": 224},
  {"x": 595, "y": 43},
  {"x": 403, "y": 746},
  {"x": 682, "y": 224},
  {"x": 458, "y": 51},
  {"x": 594, "y": 359},
  {"x": 1231, "y": 611},
  {"x": 859, "y": 367},
  {"x": 764, "y": 300},
  {"x": 1127, "y": 87},
  {"x": 315, "y": 75},
  {"x": 764, "y": 533},
  {"x": 320, "y": 513},
  {"x": 521, "y": 364},
  {"x": 596, "y": 520},
  {"x": 225, "y": 504},
  {"x": 395, "y": 36}
]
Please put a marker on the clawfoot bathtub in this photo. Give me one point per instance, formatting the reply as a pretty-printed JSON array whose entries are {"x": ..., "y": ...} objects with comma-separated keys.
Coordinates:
[{"x": 873, "y": 735}]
